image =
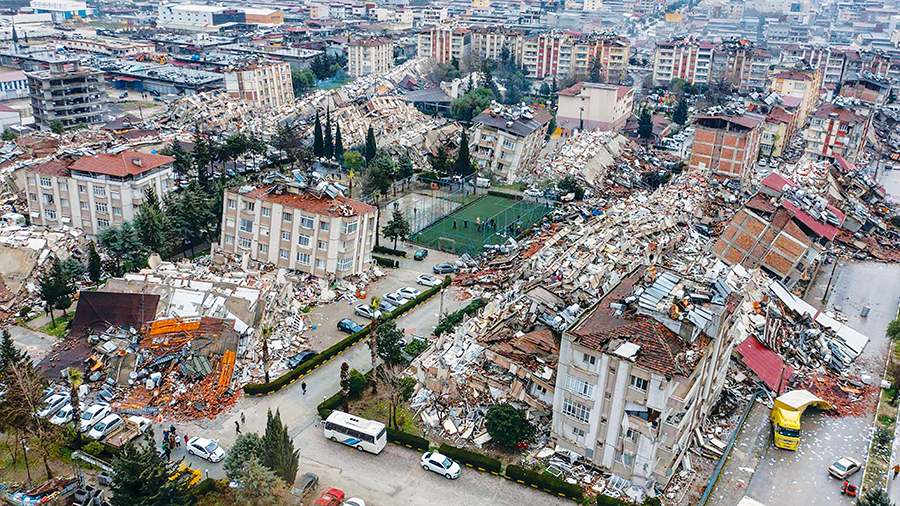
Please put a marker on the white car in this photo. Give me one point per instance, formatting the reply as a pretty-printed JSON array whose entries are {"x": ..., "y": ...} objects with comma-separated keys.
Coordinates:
[
  {"x": 354, "y": 501},
  {"x": 428, "y": 280},
  {"x": 62, "y": 416},
  {"x": 441, "y": 464},
  {"x": 105, "y": 427},
  {"x": 93, "y": 415},
  {"x": 533, "y": 192},
  {"x": 53, "y": 404},
  {"x": 205, "y": 449},
  {"x": 409, "y": 292},
  {"x": 366, "y": 312},
  {"x": 395, "y": 298}
]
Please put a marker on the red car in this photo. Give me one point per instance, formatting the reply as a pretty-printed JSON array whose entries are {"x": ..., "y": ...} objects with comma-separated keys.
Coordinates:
[{"x": 331, "y": 498}]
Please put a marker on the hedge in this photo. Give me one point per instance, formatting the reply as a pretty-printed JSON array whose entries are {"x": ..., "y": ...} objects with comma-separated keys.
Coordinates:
[
  {"x": 472, "y": 459},
  {"x": 453, "y": 319},
  {"x": 405, "y": 438},
  {"x": 386, "y": 262},
  {"x": 511, "y": 196},
  {"x": 204, "y": 487},
  {"x": 330, "y": 404},
  {"x": 544, "y": 482},
  {"x": 328, "y": 354},
  {"x": 605, "y": 500},
  {"x": 381, "y": 250}
]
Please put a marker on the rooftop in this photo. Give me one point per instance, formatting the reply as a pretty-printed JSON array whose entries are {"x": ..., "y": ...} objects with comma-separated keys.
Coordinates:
[
  {"x": 311, "y": 202},
  {"x": 126, "y": 163},
  {"x": 521, "y": 126}
]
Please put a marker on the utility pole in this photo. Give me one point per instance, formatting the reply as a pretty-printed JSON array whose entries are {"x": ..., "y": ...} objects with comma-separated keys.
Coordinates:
[
  {"x": 25, "y": 454},
  {"x": 830, "y": 278}
]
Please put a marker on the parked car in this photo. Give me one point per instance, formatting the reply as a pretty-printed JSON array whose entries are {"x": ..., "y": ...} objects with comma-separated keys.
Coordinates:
[
  {"x": 441, "y": 464},
  {"x": 93, "y": 415},
  {"x": 305, "y": 486},
  {"x": 331, "y": 498},
  {"x": 428, "y": 280},
  {"x": 444, "y": 268},
  {"x": 53, "y": 404},
  {"x": 533, "y": 192},
  {"x": 354, "y": 501},
  {"x": 123, "y": 94},
  {"x": 301, "y": 357},
  {"x": 386, "y": 306},
  {"x": 105, "y": 427},
  {"x": 205, "y": 449},
  {"x": 62, "y": 416},
  {"x": 349, "y": 326},
  {"x": 844, "y": 467},
  {"x": 366, "y": 312},
  {"x": 420, "y": 254},
  {"x": 409, "y": 292},
  {"x": 395, "y": 298}
]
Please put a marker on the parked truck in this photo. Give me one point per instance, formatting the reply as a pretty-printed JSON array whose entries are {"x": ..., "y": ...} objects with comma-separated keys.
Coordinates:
[
  {"x": 786, "y": 413},
  {"x": 133, "y": 427}
]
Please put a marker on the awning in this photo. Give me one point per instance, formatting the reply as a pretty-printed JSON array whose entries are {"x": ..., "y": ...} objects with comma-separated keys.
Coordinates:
[
  {"x": 767, "y": 364},
  {"x": 799, "y": 400},
  {"x": 126, "y": 78}
]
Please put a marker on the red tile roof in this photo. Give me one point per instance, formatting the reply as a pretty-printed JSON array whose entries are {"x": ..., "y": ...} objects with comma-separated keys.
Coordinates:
[
  {"x": 311, "y": 203},
  {"x": 779, "y": 115},
  {"x": 126, "y": 163},
  {"x": 776, "y": 181},
  {"x": 819, "y": 228},
  {"x": 843, "y": 114},
  {"x": 52, "y": 168}
]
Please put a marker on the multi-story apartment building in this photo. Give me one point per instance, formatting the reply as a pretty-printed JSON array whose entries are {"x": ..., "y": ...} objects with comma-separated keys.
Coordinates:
[
  {"x": 444, "y": 43},
  {"x": 869, "y": 88},
  {"x": 798, "y": 81},
  {"x": 507, "y": 141},
  {"x": 741, "y": 64},
  {"x": 726, "y": 144},
  {"x": 109, "y": 47},
  {"x": 67, "y": 92},
  {"x": 95, "y": 191},
  {"x": 779, "y": 127},
  {"x": 836, "y": 129},
  {"x": 592, "y": 106},
  {"x": 686, "y": 59},
  {"x": 635, "y": 381},
  {"x": 736, "y": 62},
  {"x": 488, "y": 42},
  {"x": 369, "y": 56},
  {"x": 561, "y": 53},
  {"x": 299, "y": 229},
  {"x": 263, "y": 84},
  {"x": 592, "y": 5}
]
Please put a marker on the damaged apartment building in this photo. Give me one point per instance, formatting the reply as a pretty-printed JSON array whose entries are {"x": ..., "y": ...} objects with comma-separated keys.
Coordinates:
[{"x": 640, "y": 371}]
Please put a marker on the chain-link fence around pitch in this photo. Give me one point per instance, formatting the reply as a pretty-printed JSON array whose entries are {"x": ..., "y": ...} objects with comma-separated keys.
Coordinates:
[{"x": 488, "y": 219}]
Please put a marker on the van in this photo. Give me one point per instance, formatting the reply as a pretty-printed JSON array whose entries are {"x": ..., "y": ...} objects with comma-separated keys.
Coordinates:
[{"x": 482, "y": 182}]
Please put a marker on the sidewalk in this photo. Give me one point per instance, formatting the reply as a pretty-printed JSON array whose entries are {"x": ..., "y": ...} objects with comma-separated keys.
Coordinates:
[{"x": 749, "y": 448}]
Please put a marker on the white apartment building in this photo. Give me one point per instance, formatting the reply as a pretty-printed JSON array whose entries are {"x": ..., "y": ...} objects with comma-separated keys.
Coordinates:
[
  {"x": 592, "y": 5},
  {"x": 319, "y": 11},
  {"x": 507, "y": 141},
  {"x": 61, "y": 10},
  {"x": 95, "y": 191},
  {"x": 592, "y": 106},
  {"x": 634, "y": 381},
  {"x": 369, "y": 56},
  {"x": 300, "y": 230},
  {"x": 263, "y": 84},
  {"x": 395, "y": 20},
  {"x": 689, "y": 60},
  {"x": 197, "y": 17}
]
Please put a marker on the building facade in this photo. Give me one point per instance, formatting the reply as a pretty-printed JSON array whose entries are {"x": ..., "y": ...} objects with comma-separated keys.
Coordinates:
[
  {"x": 508, "y": 141},
  {"x": 728, "y": 145},
  {"x": 263, "y": 84},
  {"x": 686, "y": 59},
  {"x": 559, "y": 53},
  {"x": 738, "y": 63},
  {"x": 591, "y": 106},
  {"x": 67, "y": 92},
  {"x": 62, "y": 10},
  {"x": 300, "y": 230},
  {"x": 108, "y": 47},
  {"x": 801, "y": 83},
  {"x": 369, "y": 56},
  {"x": 444, "y": 43},
  {"x": 836, "y": 129},
  {"x": 95, "y": 191},
  {"x": 488, "y": 43},
  {"x": 13, "y": 84}
]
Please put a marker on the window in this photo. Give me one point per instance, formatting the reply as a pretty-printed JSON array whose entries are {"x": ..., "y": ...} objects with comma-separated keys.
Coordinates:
[
  {"x": 229, "y": 222},
  {"x": 102, "y": 223},
  {"x": 115, "y": 195},
  {"x": 99, "y": 191},
  {"x": 232, "y": 204},
  {"x": 117, "y": 211},
  {"x": 46, "y": 182},
  {"x": 64, "y": 202},
  {"x": 244, "y": 242},
  {"x": 303, "y": 258},
  {"x": 246, "y": 225},
  {"x": 631, "y": 435},
  {"x": 344, "y": 264},
  {"x": 33, "y": 197},
  {"x": 320, "y": 264},
  {"x": 323, "y": 244},
  {"x": 267, "y": 211},
  {"x": 588, "y": 361},
  {"x": 50, "y": 214},
  {"x": 229, "y": 239},
  {"x": 85, "y": 206},
  {"x": 578, "y": 434},
  {"x": 48, "y": 199},
  {"x": 263, "y": 248},
  {"x": 249, "y": 206},
  {"x": 323, "y": 225},
  {"x": 304, "y": 240},
  {"x": 507, "y": 144},
  {"x": 283, "y": 254},
  {"x": 285, "y": 236},
  {"x": 576, "y": 410},
  {"x": 349, "y": 228},
  {"x": 624, "y": 458},
  {"x": 286, "y": 216},
  {"x": 639, "y": 383},
  {"x": 101, "y": 207},
  {"x": 82, "y": 188},
  {"x": 307, "y": 221},
  {"x": 579, "y": 387},
  {"x": 31, "y": 181}
]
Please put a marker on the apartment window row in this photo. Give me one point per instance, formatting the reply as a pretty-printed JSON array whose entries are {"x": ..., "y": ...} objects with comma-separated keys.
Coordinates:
[
  {"x": 576, "y": 410},
  {"x": 639, "y": 383},
  {"x": 579, "y": 387}
]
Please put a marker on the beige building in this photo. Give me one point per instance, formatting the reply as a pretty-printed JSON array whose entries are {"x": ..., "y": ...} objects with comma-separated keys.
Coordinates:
[
  {"x": 264, "y": 84},
  {"x": 109, "y": 47},
  {"x": 592, "y": 106},
  {"x": 95, "y": 191},
  {"x": 300, "y": 230},
  {"x": 508, "y": 141},
  {"x": 370, "y": 56},
  {"x": 444, "y": 43}
]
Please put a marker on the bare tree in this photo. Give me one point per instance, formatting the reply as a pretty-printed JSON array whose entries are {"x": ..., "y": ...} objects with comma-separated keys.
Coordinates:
[
  {"x": 25, "y": 397},
  {"x": 373, "y": 341},
  {"x": 389, "y": 377}
]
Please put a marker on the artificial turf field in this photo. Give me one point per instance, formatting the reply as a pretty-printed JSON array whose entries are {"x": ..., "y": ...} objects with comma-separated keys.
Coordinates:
[{"x": 465, "y": 236}]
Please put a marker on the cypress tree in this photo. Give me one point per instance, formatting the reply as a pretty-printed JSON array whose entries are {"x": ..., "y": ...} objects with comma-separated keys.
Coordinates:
[
  {"x": 463, "y": 166},
  {"x": 329, "y": 143},
  {"x": 94, "y": 265},
  {"x": 278, "y": 452},
  {"x": 338, "y": 144},
  {"x": 318, "y": 144},
  {"x": 371, "y": 147}
]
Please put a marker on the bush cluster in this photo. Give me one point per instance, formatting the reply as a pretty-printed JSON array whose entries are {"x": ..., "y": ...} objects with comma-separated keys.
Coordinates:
[
  {"x": 544, "y": 482},
  {"x": 453, "y": 319},
  {"x": 473, "y": 459},
  {"x": 381, "y": 250}
]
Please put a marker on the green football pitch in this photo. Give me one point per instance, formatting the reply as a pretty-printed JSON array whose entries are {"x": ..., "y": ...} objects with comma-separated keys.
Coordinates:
[{"x": 459, "y": 232}]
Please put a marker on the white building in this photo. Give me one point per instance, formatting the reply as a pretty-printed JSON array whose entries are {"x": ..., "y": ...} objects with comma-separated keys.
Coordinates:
[
  {"x": 369, "y": 56},
  {"x": 197, "y": 17},
  {"x": 9, "y": 117},
  {"x": 61, "y": 10},
  {"x": 13, "y": 84},
  {"x": 508, "y": 141},
  {"x": 593, "y": 106},
  {"x": 264, "y": 84}
]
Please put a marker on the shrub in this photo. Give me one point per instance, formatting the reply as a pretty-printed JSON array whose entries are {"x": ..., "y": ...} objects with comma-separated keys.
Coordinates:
[
  {"x": 406, "y": 439},
  {"x": 653, "y": 501},
  {"x": 357, "y": 383},
  {"x": 388, "y": 251},
  {"x": 416, "y": 347},
  {"x": 605, "y": 500},
  {"x": 472, "y": 459},
  {"x": 453, "y": 319},
  {"x": 205, "y": 487},
  {"x": 544, "y": 482},
  {"x": 328, "y": 405},
  {"x": 508, "y": 426},
  {"x": 386, "y": 262},
  {"x": 94, "y": 448},
  {"x": 24, "y": 311},
  {"x": 408, "y": 386}
]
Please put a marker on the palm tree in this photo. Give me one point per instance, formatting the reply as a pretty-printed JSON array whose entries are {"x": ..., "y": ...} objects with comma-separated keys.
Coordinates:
[
  {"x": 75, "y": 379},
  {"x": 373, "y": 339}
]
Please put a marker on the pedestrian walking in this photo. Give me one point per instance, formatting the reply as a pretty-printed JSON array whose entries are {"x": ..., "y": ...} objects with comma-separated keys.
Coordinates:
[
  {"x": 243, "y": 420},
  {"x": 303, "y": 387},
  {"x": 896, "y": 469},
  {"x": 237, "y": 427},
  {"x": 185, "y": 440}
]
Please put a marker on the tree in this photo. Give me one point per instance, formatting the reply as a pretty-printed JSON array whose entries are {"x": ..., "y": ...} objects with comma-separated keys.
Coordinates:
[
  {"x": 259, "y": 485},
  {"x": 149, "y": 225},
  {"x": 19, "y": 406},
  {"x": 596, "y": 66},
  {"x": 545, "y": 89},
  {"x": 645, "y": 124},
  {"x": 893, "y": 330},
  {"x": 278, "y": 452},
  {"x": 568, "y": 185},
  {"x": 318, "y": 143},
  {"x": 508, "y": 426},
  {"x": 371, "y": 146},
  {"x": 202, "y": 155},
  {"x": 472, "y": 103},
  {"x": 9, "y": 354},
  {"x": 379, "y": 175},
  {"x": 681, "y": 112},
  {"x": 94, "y": 266},
  {"x": 55, "y": 287},
  {"x": 357, "y": 382},
  {"x": 393, "y": 387},
  {"x": 373, "y": 341},
  {"x": 338, "y": 143},
  {"x": 875, "y": 497},
  {"x": 405, "y": 167},
  {"x": 182, "y": 164},
  {"x": 8, "y": 135},
  {"x": 396, "y": 228},
  {"x": 57, "y": 127},
  {"x": 440, "y": 162},
  {"x": 122, "y": 246},
  {"x": 551, "y": 127},
  {"x": 329, "y": 141},
  {"x": 75, "y": 378},
  {"x": 389, "y": 342},
  {"x": 463, "y": 166},
  {"x": 246, "y": 447},
  {"x": 302, "y": 81},
  {"x": 142, "y": 477},
  {"x": 345, "y": 385}
]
